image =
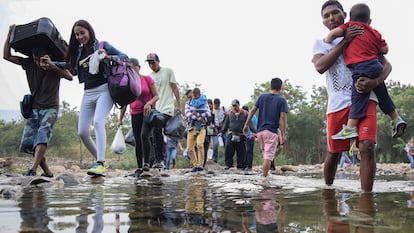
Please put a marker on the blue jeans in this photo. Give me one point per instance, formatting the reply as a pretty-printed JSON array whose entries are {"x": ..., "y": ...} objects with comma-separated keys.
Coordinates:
[
  {"x": 171, "y": 154},
  {"x": 344, "y": 157},
  {"x": 411, "y": 159},
  {"x": 249, "y": 153},
  {"x": 355, "y": 159}
]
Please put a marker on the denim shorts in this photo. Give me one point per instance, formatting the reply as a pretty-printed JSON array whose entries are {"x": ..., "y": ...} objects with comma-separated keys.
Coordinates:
[{"x": 38, "y": 129}]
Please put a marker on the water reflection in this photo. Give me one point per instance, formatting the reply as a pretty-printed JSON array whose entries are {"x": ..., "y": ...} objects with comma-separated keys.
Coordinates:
[
  {"x": 338, "y": 217},
  {"x": 270, "y": 216},
  {"x": 411, "y": 201},
  {"x": 198, "y": 203},
  {"x": 33, "y": 210},
  {"x": 94, "y": 199},
  {"x": 195, "y": 215}
]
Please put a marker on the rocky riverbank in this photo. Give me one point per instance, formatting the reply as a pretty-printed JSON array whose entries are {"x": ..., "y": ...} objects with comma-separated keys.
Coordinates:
[
  {"x": 18, "y": 165},
  {"x": 70, "y": 172}
]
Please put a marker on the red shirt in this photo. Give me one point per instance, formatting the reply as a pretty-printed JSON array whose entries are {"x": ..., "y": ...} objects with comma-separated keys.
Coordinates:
[
  {"x": 137, "y": 106},
  {"x": 363, "y": 47}
]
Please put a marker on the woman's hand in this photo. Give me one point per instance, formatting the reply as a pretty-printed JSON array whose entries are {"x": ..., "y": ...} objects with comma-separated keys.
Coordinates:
[{"x": 147, "y": 108}]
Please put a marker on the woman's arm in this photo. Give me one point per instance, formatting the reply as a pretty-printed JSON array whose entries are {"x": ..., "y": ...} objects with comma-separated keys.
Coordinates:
[{"x": 114, "y": 54}]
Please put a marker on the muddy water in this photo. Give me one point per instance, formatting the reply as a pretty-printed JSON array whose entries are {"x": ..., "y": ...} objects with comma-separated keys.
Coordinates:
[{"x": 212, "y": 203}]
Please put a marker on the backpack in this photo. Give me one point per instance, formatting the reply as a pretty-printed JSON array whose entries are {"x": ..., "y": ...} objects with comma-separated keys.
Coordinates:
[{"x": 124, "y": 83}]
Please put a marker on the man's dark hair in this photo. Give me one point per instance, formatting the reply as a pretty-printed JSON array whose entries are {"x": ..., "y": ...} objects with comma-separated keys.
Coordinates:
[
  {"x": 188, "y": 91},
  {"x": 332, "y": 3},
  {"x": 360, "y": 13},
  {"x": 216, "y": 101},
  {"x": 38, "y": 52},
  {"x": 276, "y": 84}
]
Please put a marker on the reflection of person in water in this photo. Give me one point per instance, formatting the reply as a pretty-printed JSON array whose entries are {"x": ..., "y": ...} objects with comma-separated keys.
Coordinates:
[
  {"x": 268, "y": 212},
  {"x": 411, "y": 201},
  {"x": 334, "y": 224},
  {"x": 336, "y": 217},
  {"x": 194, "y": 205},
  {"x": 94, "y": 199},
  {"x": 33, "y": 210}
]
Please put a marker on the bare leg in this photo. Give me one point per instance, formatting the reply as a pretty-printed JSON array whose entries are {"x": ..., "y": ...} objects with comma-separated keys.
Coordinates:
[
  {"x": 393, "y": 114},
  {"x": 39, "y": 159},
  {"x": 265, "y": 167},
  {"x": 353, "y": 122},
  {"x": 368, "y": 165},
  {"x": 329, "y": 167}
]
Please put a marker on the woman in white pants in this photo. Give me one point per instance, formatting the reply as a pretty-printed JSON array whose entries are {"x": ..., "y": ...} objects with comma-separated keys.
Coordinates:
[{"x": 96, "y": 101}]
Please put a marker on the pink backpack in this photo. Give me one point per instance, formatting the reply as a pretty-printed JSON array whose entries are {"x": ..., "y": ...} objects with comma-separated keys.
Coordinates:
[{"x": 124, "y": 83}]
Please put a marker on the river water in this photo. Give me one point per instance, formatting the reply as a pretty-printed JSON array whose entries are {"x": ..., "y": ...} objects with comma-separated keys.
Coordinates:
[{"x": 204, "y": 202}]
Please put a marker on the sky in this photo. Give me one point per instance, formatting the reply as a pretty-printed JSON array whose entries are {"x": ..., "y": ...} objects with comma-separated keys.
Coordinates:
[{"x": 226, "y": 46}]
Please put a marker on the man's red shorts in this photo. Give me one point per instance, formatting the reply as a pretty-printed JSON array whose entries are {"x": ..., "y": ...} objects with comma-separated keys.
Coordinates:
[{"x": 367, "y": 128}]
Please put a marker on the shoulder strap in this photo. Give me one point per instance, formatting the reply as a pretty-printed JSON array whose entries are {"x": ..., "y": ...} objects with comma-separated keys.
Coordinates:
[{"x": 142, "y": 100}]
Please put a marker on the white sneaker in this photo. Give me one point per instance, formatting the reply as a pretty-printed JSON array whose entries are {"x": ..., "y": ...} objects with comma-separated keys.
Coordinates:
[
  {"x": 398, "y": 127},
  {"x": 347, "y": 132}
]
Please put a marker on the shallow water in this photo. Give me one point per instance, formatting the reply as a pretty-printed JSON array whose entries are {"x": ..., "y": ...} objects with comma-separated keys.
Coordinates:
[{"x": 212, "y": 203}]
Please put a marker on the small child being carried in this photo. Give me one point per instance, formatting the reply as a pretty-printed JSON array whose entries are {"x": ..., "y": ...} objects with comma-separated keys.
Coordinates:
[{"x": 199, "y": 105}]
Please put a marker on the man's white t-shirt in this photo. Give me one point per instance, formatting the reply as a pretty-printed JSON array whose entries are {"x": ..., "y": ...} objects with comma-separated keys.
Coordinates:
[
  {"x": 338, "y": 79},
  {"x": 163, "y": 79}
]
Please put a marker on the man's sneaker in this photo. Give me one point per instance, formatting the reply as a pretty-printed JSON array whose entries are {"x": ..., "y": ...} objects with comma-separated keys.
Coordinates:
[
  {"x": 194, "y": 169},
  {"x": 347, "y": 132},
  {"x": 146, "y": 167},
  {"x": 158, "y": 165},
  {"x": 30, "y": 172},
  {"x": 47, "y": 175},
  {"x": 398, "y": 127},
  {"x": 200, "y": 168},
  {"x": 97, "y": 168}
]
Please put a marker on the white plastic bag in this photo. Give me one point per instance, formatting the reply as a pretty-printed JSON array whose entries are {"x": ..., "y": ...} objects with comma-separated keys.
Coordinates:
[
  {"x": 94, "y": 61},
  {"x": 118, "y": 145},
  {"x": 220, "y": 141}
]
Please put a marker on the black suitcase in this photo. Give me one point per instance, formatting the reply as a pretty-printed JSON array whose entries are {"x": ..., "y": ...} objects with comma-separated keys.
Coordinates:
[{"x": 40, "y": 33}]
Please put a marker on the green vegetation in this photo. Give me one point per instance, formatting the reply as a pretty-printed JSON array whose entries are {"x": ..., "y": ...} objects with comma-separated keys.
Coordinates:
[{"x": 306, "y": 131}]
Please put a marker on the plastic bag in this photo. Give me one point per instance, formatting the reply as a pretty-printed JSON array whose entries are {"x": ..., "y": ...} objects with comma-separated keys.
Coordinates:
[
  {"x": 118, "y": 145},
  {"x": 220, "y": 141},
  {"x": 175, "y": 126},
  {"x": 211, "y": 130},
  {"x": 155, "y": 118},
  {"x": 129, "y": 138}
]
